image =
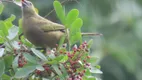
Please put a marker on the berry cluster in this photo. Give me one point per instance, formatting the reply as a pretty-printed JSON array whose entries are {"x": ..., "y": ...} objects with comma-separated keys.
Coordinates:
[
  {"x": 76, "y": 65},
  {"x": 21, "y": 60},
  {"x": 78, "y": 62},
  {"x": 46, "y": 71}
]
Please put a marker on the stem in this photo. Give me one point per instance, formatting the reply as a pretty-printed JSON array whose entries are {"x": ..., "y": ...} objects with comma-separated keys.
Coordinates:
[
  {"x": 68, "y": 37},
  {"x": 91, "y": 34}
]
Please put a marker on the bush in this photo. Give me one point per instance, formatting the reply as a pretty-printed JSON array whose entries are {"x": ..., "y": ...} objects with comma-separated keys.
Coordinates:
[{"x": 20, "y": 60}]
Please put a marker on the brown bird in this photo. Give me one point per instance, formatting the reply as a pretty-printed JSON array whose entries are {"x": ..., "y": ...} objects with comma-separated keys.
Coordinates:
[{"x": 38, "y": 30}]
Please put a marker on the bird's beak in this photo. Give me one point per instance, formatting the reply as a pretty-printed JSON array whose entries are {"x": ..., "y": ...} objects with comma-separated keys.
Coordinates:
[{"x": 24, "y": 3}]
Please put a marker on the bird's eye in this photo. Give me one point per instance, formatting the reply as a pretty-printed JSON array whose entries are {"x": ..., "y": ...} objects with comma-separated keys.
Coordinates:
[{"x": 30, "y": 3}]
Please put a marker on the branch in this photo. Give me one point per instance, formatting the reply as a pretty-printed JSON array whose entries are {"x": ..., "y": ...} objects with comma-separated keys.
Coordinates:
[{"x": 91, "y": 34}]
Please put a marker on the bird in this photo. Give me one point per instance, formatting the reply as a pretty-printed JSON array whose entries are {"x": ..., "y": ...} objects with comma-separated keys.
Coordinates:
[{"x": 38, "y": 30}]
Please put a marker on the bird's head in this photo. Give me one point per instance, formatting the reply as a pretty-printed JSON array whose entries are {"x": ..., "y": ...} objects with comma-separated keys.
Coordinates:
[{"x": 28, "y": 8}]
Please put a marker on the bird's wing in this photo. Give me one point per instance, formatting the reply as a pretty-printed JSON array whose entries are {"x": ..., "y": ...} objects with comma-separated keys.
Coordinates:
[
  {"x": 47, "y": 25},
  {"x": 52, "y": 27}
]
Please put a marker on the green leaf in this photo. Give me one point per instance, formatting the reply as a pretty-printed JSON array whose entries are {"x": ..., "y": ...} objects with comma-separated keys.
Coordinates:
[
  {"x": 30, "y": 58},
  {"x": 5, "y": 77},
  {"x": 95, "y": 70},
  {"x": 72, "y": 16},
  {"x": 77, "y": 24},
  {"x": 15, "y": 45},
  {"x": 12, "y": 32},
  {"x": 15, "y": 62},
  {"x": 39, "y": 67},
  {"x": 75, "y": 32},
  {"x": 1, "y": 52},
  {"x": 59, "y": 11},
  {"x": 75, "y": 38},
  {"x": 39, "y": 54},
  {"x": 1, "y": 37},
  {"x": 55, "y": 67},
  {"x": 11, "y": 18},
  {"x": 87, "y": 73},
  {"x": 8, "y": 22},
  {"x": 90, "y": 43},
  {"x": 59, "y": 59},
  {"x": 20, "y": 26},
  {"x": 8, "y": 60},
  {"x": 1, "y": 7},
  {"x": 3, "y": 28},
  {"x": 93, "y": 59},
  {"x": 61, "y": 41},
  {"x": 23, "y": 72},
  {"x": 63, "y": 70},
  {"x": 2, "y": 67},
  {"x": 89, "y": 78},
  {"x": 26, "y": 42},
  {"x": 62, "y": 58},
  {"x": 98, "y": 66}
]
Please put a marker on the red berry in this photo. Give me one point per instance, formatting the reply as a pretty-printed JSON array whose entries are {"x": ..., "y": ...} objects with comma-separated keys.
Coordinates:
[
  {"x": 19, "y": 43},
  {"x": 61, "y": 51},
  {"x": 38, "y": 71},
  {"x": 88, "y": 57},
  {"x": 20, "y": 65},
  {"x": 84, "y": 71},
  {"x": 46, "y": 68},
  {"x": 74, "y": 70},
  {"x": 84, "y": 61}
]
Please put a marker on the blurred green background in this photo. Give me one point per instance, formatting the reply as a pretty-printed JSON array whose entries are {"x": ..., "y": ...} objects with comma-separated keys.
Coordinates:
[{"x": 120, "y": 22}]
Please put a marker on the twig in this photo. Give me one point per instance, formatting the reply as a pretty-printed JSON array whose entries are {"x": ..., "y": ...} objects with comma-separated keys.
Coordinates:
[
  {"x": 68, "y": 38},
  {"x": 12, "y": 1},
  {"x": 61, "y": 3},
  {"x": 91, "y": 34}
]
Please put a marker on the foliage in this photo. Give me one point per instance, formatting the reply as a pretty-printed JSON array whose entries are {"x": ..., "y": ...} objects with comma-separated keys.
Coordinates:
[{"x": 19, "y": 59}]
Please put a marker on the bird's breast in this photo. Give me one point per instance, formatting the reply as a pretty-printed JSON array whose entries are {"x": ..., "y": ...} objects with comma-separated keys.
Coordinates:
[{"x": 33, "y": 34}]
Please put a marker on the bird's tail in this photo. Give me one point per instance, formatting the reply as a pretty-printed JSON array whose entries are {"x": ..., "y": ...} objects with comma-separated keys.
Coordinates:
[{"x": 91, "y": 34}]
